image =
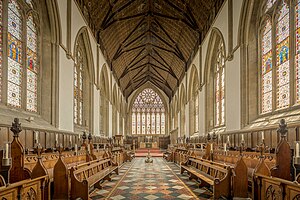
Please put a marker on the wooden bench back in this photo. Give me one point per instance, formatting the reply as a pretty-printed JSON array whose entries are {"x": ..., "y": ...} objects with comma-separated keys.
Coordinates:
[
  {"x": 215, "y": 170},
  {"x": 84, "y": 173}
]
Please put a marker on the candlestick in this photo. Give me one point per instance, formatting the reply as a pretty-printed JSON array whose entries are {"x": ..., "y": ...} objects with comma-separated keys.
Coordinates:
[{"x": 297, "y": 149}]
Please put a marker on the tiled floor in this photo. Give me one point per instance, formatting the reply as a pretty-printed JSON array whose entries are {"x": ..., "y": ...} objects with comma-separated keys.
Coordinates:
[{"x": 151, "y": 181}]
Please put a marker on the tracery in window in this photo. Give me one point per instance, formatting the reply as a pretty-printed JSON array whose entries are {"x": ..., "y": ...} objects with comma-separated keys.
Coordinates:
[
  {"x": 15, "y": 70},
  {"x": 266, "y": 71},
  {"x": 32, "y": 68},
  {"x": 220, "y": 87},
  {"x": 270, "y": 3},
  {"x": 148, "y": 113},
  {"x": 78, "y": 85},
  {"x": 282, "y": 58}
]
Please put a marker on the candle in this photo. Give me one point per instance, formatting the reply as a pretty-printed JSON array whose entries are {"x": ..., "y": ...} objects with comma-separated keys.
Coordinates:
[
  {"x": 242, "y": 137},
  {"x": 89, "y": 148},
  {"x": 262, "y": 135},
  {"x": 76, "y": 148},
  {"x": 297, "y": 149},
  {"x": 228, "y": 138},
  {"x": 36, "y": 137},
  {"x": 201, "y": 147},
  {"x": 56, "y": 138},
  {"x": 212, "y": 147},
  {"x": 225, "y": 147},
  {"x": 6, "y": 150}
]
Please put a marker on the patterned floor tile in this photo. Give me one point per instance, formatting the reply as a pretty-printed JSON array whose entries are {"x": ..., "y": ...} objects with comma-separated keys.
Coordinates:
[{"x": 156, "y": 181}]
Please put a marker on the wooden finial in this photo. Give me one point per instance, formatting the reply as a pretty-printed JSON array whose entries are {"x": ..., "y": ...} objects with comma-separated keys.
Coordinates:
[
  {"x": 39, "y": 150},
  {"x": 214, "y": 136},
  {"x": 90, "y": 136},
  {"x": 60, "y": 149},
  {"x": 282, "y": 130},
  {"x": 84, "y": 135},
  {"x": 16, "y": 127},
  {"x": 242, "y": 147},
  {"x": 208, "y": 137}
]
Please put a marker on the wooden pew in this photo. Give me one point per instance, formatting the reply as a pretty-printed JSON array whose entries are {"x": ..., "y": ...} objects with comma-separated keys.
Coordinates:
[
  {"x": 61, "y": 175},
  {"x": 85, "y": 177},
  {"x": 27, "y": 189},
  {"x": 211, "y": 174},
  {"x": 276, "y": 188}
]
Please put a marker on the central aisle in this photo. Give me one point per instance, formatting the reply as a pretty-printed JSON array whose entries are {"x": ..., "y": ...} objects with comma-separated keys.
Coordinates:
[{"x": 140, "y": 180}]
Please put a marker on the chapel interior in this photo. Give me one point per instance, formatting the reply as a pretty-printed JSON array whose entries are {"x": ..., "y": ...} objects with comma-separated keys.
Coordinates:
[{"x": 149, "y": 99}]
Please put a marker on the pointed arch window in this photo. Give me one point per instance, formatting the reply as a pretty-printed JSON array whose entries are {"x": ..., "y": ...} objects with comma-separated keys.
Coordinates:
[
  {"x": 15, "y": 65},
  {"x": 32, "y": 68},
  {"x": 22, "y": 53},
  {"x": 220, "y": 86},
  {"x": 279, "y": 90},
  {"x": 78, "y": 84},
  {"x": 266, "y": 71},
  {"x": 148, "y": 113}
]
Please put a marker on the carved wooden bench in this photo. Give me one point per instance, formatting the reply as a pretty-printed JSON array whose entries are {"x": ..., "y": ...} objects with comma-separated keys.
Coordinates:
[
  {"x": 27, "y": 189},
  {"x": 210, "y": 174},
  {"x": 84, "y": 178}
]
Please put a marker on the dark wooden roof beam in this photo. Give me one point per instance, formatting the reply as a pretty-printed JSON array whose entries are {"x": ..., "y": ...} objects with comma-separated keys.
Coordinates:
[
  {"x": 111, "y": 14},
  {"x": 124, "y": 41},
  {"x": 140, "y": 52}
]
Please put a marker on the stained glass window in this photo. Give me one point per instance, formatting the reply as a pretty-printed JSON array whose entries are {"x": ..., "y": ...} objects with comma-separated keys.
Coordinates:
[
  {"x": 266, "y": 71},
  {"x": 297, "y": 52},
  {"x": 282, "y": 58},
  {"x": 220, "y": 87},
  {"x": 196, "y": 113},
  {"x": 162, "y": 123},
  {"x": 78, "y": 83},
  {"x": 32, "y": 69},
  {"x": 147, "y": 110},
  {"x": 133, "y": 123},
  {"x": 15, "y": 71}
]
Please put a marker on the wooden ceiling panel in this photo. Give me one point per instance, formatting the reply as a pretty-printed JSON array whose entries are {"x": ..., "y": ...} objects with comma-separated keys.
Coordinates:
[{"x": 149, "y": 40}]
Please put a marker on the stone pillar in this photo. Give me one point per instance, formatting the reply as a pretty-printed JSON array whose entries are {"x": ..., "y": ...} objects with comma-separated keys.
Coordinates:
[
  {"x": 110, "y": 120},
  {"x": 117, "y": 123},
  {"x": 187, "y": 120}
]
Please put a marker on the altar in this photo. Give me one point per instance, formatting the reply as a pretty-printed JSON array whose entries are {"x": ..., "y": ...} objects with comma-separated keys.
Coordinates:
[{"x": 148, "y": 144}]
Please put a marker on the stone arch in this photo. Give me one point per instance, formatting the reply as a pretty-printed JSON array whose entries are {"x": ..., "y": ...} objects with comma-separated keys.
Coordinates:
[
  {"x": 144, "y": 86},
  {"x": 87, "y": 44},
  {"x": 193, "y": 82},
  {"x": 104, "y": 81},
  {"x": 216, "y": 38},
  {"x": 248, "y": 31},
  {"x": 134, "y": 95}
]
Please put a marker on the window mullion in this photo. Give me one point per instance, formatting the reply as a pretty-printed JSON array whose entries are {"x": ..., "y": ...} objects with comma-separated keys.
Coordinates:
[
  {"x": 292, "y": 55},
  {"x": 274, "y": 64},
  {"x": 4, "y": 88}
]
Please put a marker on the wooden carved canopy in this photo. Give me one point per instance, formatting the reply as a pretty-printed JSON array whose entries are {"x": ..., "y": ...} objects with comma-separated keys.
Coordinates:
[{"x": 149, "y": 40}]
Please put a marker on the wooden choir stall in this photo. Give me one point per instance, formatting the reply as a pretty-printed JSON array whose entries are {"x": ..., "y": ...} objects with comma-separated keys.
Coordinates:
[
  {"x": 60, "y": 173},
  {"x": 233, "y": 172}
]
